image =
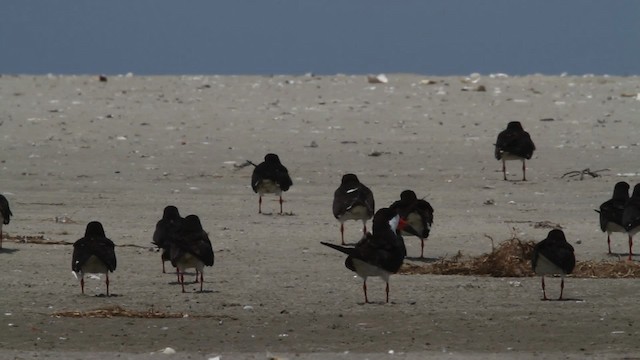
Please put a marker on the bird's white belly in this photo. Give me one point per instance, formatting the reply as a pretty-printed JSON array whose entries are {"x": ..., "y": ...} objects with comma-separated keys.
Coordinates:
[
  {"x": 634, "y": 231},
  {"x": 269, "y": 187},
  {"x": 355, "y": 213},
  {"x": 365, "y": 270},
  {"x": 613, "y": 227},
  {"x": 188, "y": 261},
  {"x": 509, "y": 156},
  {"x": 546, "y": 267},
  {"x": 94, "y": 266}
]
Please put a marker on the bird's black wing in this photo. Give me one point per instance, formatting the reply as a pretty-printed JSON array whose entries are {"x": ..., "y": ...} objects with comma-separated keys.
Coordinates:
[{"x": 5, "y": 210}]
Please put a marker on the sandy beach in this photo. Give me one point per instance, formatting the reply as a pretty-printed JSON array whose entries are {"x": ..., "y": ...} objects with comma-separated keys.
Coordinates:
[{"x": 75, "y": 149}]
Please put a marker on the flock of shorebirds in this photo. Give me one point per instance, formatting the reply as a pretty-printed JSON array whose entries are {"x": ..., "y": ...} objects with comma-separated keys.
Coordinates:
[{"x": 379, "y": 253}]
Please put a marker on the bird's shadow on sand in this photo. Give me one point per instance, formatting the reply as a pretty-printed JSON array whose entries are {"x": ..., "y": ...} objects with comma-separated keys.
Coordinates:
[
  {"x": 390, "y": 303},
  {"x": 290, "y": 213},
  {"x": 563, "y": 300},
  {"x": 107, "y": 296},
  {"x": 8, "y": 251}
]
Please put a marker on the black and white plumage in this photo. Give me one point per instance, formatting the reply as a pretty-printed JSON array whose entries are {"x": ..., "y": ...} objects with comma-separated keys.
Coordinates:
[
  {"x": 417, "y": 212},
  {"x": 352, "y": 200},
  {"x": 93, "y": 254},
  {"x": 612, "y": 210},
  {"x": 514, "y": 143},
  {"x": 553, "y": 256},
  {"x": 166, "y": 229},
  {"x": 270, "y": 177},
  {"x": 5, "y": 215},
  {"x": 631, "y": 216},
  {"x": 191, "y": 249},
  {"x": 380, "y": 253}
]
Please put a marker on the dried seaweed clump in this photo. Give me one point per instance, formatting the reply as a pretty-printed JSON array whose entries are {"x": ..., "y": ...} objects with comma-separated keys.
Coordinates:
[
  {"x": 35, "y": 239},
  {"x": 510, "y": 259},
  {"x": 513, "y": 259},
  {"x": 607, "y": 269},
  {"x": 115, "y": 310}
]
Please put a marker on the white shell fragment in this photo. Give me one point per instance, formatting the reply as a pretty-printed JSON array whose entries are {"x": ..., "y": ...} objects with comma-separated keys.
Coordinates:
[
  {"x": 377, "y": 79},
  {"x": 168, "y": 351}
]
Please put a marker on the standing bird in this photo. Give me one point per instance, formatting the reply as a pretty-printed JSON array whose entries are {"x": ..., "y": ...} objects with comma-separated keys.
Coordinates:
[
  {"x": 5, "y": 215},
  {"x": 514, "y": 144},
  {"x": 191, "y": 248},
  {"x": 612, "y": 210},
  {"x": 631, "y": 216},
  {"x": 93, "y": 254},
  {"x": 553, "y": 256},
  {"x": 270, "y": 177},
  {"x": 166, "y": 229},
  {"x": 352, "y": 200},
  {"x": 378, "y": 254},
  {"x": 417, "y": 212}
]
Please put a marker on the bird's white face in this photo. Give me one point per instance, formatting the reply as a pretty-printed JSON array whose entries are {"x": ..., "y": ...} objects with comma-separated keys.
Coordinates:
[{"x": 394, "y": 222}]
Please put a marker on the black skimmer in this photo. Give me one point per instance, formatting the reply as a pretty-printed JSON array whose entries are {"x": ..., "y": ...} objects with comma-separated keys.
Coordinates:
[
  {"x": 417, "y": 212},
  {"x": 166, "y": 229},
  {"x": 631, "y": 216},
  {"x": 514, "y": 144},
  {"x": 553, "y": 256},
  {"x": 191, "y": 248},
  {"x": 353, "y": 201},
  {"x": 270, "y": 177},
  {"x": 611, "y": 211},
  {"x": 93, "y": 254},
  {"x": 379, "y": 254},
  {"x": 5, "y": 215}
]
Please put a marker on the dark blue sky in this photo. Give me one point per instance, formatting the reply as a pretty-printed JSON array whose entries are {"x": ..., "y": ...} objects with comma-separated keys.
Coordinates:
[{"x": 448, "y": 37}]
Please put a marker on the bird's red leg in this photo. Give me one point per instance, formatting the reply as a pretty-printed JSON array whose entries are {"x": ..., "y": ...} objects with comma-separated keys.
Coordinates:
[
  {"x": 364, "y": 287},
  {"x": 387, "y": 290},
  {"x": 260, "y": 204},
  {"x": 201, "y": 280},
  {"x": 182, "y": 281},
  {"x": 504, "y": 169},
  {"x": 281, "y": 201},
  {"x": 630, "y": 245},
  {"x": 107, "y": 282},
  {"x": 544, "y": 292},
  {"x": 421, "y": 248},
  {"x": 609, "y": 242},
  {"x": 342, "y": 232},
  {"x": 524, "y": 171},
  {"x": 561, "y": 288}
]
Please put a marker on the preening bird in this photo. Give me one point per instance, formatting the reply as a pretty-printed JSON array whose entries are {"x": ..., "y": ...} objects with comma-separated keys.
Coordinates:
[{"x": 417, "y": 212}]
